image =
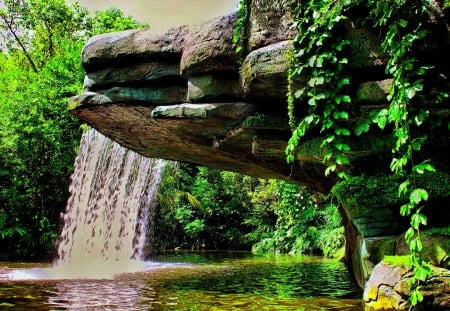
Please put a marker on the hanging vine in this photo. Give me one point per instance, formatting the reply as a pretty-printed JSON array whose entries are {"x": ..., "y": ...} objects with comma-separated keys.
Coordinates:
[
  {"x": 319, "y": 55},
  {"x": 239, "y": 29}
]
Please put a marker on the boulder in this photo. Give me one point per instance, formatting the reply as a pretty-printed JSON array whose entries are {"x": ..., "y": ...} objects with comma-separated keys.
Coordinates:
[
  {"x": 218, "y": 88},
  {"x": 387, "y": 289},
  {"x": 151, "y": 95},
  {"x": 132, "y": 46},
  {"x": 436, "y": 248},
  {"x": 209, "y": 47},
  {"x": 264, "y": 72},
  {"x": 143, "y": 73},
  {"x": 270, "y": 21}
]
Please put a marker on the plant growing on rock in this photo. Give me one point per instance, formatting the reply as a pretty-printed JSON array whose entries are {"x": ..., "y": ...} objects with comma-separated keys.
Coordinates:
[{"x": 320, "y": 54}]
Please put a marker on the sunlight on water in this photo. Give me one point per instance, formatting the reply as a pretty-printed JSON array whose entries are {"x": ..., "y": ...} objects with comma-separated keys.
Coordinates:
[{"x": 195, "y": 281}]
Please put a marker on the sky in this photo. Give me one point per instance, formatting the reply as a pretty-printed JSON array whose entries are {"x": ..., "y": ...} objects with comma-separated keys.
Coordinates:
[{"x": 163, "y": 14}]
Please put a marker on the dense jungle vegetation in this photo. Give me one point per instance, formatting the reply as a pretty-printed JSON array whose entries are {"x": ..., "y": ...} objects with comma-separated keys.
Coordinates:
[{"x": 40, "y": 68}]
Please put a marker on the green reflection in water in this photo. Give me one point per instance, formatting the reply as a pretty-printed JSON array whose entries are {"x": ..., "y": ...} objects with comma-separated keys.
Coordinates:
[{"x": 199, "y": 281}]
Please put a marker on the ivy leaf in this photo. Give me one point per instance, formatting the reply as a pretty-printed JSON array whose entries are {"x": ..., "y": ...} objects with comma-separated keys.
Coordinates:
[
  {"x": 290, "y": 158},
  {"x": 416, "y": 297},
  {"x": 381, "y": 118},
  {"x": 416, "y": 245},
  {"x": 341, "y": 160},
  {"x": 362, "y": 126},
  {"x": 422, "y": 273},
  {"x": 343, "y": 175},
  {"x": 423, "y": 167},
  {"x": 346, "y": 99},
  {"x": 403, "y": 23},
  {"x": 299, "y": 93},
  {"x": 330, "y": 169},
  {"x": 403, "y": 188},
  {"x": 417, "y": 220},
  {"x": 418, "y": 195},
  {"x": 409, "y": 234}
]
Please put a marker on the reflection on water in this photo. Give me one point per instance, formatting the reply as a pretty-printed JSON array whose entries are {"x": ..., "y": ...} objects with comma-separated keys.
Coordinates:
[{"x": 209, "y": 281}]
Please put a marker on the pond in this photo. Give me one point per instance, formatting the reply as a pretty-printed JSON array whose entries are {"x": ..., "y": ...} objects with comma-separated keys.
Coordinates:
[{"x": 191, "y": 281}]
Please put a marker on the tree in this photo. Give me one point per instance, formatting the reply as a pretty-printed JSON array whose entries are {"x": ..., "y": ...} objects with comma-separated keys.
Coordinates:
[{"x": 40, "y": 68}]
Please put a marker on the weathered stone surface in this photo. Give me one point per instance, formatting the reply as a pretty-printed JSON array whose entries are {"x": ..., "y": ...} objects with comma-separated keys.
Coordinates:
[
  {"x": 219, "y": 88},
  {"x": 223, "y": 111},
  {"x": 183, "y": 133},
  {"x": 387, "y": 289},
  {"x": 132, "y": 45},
  {"x": 134, "y": 73},
  {"x": 264, "y": 72},
  {"x": 209, "y": 47},
  {"x": 150, "y": 95},
  {"x": 270, "y": 22},
  {"x": 365, "y": 48},
  {"x": 367, "y": 253},
  {"x": 373, "y": 91},
  {"x": 436, "y": 248}
]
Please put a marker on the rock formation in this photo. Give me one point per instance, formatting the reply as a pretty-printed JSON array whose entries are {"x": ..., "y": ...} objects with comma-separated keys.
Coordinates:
[{"x": 183, "y": 96}]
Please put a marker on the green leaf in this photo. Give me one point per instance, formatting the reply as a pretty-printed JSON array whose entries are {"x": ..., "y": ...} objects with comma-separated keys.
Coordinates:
[
  {"x": 290, "y": 158},
  {"x": 418, "y": 195},
  {"x": 409, "y": 234},
  {"x": 417, "y": 220},
  {"x": 330, "y": 169},
  {"x": 403, "y": 23},
  {"x": 346, "y": 99},
  {"x": 422, "y": 273},
  {"x": 362, "y": 126},
  {"x": 416, "y": 245},
  {"x": 423, "y": 167},
  {"x": 343, "y": 175},
  {"x": 403, "y": 188},
  {"x": 381, "y": 118}
]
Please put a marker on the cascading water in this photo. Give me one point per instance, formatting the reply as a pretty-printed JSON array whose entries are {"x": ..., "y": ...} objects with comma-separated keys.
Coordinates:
[{"x": 112, "y": 191}]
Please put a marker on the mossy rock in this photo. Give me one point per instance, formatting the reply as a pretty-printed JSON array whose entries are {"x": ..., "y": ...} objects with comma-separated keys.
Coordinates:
[
  {"x": 436, "y": 247},
  {"x": 372, "y": 192}
]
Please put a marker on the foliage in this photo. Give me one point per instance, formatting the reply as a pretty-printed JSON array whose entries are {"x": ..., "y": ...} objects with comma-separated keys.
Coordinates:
[
  {"x": 286, "y": 219},
  {"x": 439, "y": 230},
  {"x": 381, "y": 190},
  {"x": 201, "y": 207},
  {"x": 113, "y": 19},
  {"x": 39, "y": 68},
  {"x": 239, "y": 29},
  {"x": 319, "y": 54}
]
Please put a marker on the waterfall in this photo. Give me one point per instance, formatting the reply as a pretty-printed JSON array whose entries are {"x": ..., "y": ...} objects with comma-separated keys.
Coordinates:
[{"x": 105, "y": 224}]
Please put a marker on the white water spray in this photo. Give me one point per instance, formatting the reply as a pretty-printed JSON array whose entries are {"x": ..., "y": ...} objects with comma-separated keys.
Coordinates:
[{"x": 105, "y": 224}]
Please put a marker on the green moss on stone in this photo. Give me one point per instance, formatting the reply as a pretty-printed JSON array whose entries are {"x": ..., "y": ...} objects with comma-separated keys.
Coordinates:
[
  {"x": 396, "y": 260},
  {"x": 382, "y": 190},
  {"x": 265, "y": 122}
]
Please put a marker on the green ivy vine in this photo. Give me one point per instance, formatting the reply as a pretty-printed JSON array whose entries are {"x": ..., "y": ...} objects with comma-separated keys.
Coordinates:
[
  {"x": 319, "y": 54},
  {"x": 239, "y": 29}
]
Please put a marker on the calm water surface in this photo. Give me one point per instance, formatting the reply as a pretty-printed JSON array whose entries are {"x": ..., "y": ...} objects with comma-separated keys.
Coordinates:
[{"x": 193, "y": 281}]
